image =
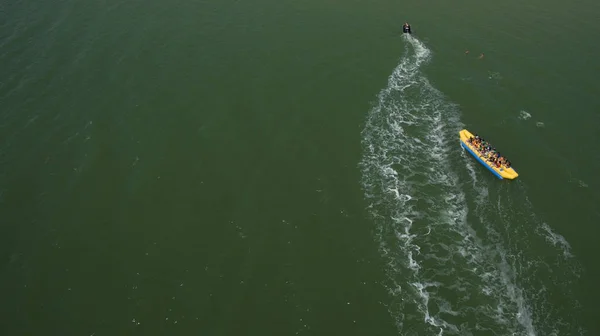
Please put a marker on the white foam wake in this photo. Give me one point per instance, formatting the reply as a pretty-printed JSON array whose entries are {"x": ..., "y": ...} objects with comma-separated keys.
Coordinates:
[{"x": 445, "y": 277}]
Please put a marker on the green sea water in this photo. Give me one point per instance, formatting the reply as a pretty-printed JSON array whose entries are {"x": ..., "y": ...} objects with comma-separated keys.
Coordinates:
[{"x": 293, "y": 168}]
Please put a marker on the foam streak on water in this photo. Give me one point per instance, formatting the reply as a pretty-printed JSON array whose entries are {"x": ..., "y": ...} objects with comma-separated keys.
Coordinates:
[{"x": 451, "y": 272}]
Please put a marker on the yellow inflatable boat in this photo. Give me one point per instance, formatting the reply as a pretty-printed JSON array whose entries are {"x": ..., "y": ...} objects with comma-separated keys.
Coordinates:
[{"x": 501, "y": 172}]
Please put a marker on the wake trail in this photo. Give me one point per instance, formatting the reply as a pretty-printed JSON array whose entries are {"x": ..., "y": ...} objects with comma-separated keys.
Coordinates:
[{"x": 450, "y": 271}]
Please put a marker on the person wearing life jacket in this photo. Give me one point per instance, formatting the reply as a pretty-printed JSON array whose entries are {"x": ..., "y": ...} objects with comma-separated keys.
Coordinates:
[{"x": 406, "y": 28}]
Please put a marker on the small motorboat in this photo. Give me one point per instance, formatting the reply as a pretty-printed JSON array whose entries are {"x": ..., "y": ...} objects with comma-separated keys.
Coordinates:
[{"x": 406, "y": 28}]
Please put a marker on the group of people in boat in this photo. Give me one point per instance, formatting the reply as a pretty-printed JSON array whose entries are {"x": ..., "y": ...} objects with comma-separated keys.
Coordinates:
[{"x": 486, "y": 150}]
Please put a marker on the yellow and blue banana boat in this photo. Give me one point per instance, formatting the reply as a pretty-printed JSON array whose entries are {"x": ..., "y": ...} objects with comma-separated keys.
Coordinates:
[{"x": 500, "y": 172}]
